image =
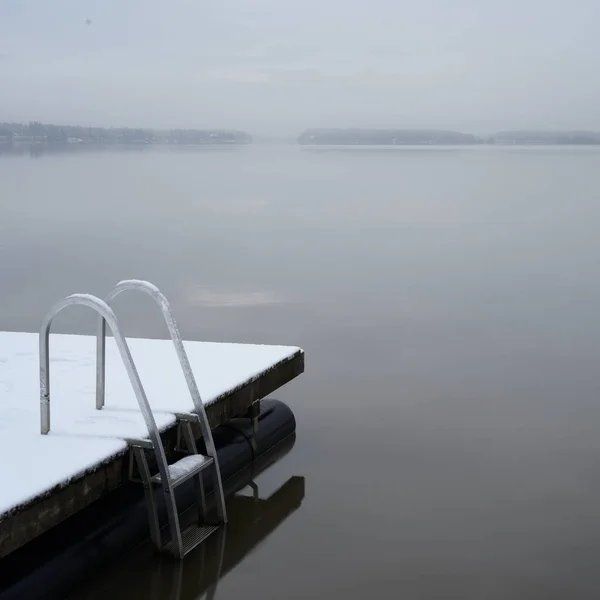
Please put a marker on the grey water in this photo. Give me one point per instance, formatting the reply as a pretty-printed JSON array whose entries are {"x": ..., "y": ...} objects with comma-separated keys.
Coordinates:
[{"x": 448, "y": 422}]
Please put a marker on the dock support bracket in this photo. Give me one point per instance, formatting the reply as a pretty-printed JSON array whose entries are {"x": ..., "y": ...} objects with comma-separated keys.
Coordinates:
[{"x": 253, "y": 414}]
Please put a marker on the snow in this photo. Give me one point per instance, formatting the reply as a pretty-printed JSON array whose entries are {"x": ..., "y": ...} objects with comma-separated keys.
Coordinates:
[
  {"x": 82, "y": 437},
  {"x": 186, "y": 466}
]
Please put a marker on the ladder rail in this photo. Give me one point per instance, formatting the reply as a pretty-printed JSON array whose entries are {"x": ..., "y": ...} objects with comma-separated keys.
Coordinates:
[
  {"x": 151, "y": 290},
  {"x": 108, "y": 316},
  {"x": 165, "y": 307}
]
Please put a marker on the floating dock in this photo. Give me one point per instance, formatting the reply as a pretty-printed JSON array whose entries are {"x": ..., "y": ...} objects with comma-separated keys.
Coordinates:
[
  {"x": 111, "y": 534},
  {"x": 86, "y": 453}
]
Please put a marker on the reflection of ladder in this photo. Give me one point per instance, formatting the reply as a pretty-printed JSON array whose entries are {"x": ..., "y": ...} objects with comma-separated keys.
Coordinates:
[
  {"x": 169, "y": 476},
  {"x": 172, "y": 573}
]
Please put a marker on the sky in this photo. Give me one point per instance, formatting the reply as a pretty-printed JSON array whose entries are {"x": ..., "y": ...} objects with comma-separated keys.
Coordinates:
[{"x": 277, "y": 67}]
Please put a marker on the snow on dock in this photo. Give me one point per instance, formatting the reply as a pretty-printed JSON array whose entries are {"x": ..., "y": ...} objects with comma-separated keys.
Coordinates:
[{"x": 82, "y": 438}]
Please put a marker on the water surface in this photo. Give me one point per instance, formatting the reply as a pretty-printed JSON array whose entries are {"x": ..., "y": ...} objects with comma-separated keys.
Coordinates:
[{"x": 446, "y": 299}]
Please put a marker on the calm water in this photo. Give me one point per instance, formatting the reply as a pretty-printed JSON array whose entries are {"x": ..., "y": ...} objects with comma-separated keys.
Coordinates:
[{"x": 447, "y": 300}]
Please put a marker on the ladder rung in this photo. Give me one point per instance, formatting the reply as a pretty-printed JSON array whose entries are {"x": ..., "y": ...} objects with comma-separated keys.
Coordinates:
[
  {"x": 192, "y": 537},
  {"x": 185, "y": 468}
]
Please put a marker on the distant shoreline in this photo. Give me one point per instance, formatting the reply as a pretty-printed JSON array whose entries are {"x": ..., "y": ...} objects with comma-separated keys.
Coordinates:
[
  {"x": 36, "y": 133},
  {"x": 425, "y": 137}
]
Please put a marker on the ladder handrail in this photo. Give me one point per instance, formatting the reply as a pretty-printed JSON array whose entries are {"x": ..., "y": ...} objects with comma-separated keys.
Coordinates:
[
  {"x": 161, "y": 300},
  {"x": 108, "y": 316},
  {"x": 159, "y": 297}
]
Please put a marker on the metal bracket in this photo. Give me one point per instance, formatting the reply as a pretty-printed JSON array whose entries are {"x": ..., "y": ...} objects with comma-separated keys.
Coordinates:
[
  {"x": 185, "y": 429},
  {"x": 253, "y": 413},
  {"x": 140, "y": 443},
  {"x": 132, "y": 463}
]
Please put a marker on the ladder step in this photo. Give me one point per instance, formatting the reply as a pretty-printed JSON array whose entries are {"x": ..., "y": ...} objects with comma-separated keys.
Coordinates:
[
  {"x": 185, "y": 468},
  {"x": 192, "y": 537}
]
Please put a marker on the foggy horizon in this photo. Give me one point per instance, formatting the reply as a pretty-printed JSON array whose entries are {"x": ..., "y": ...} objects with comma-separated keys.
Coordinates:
[
  {"x": 270, "y": 69},
  {"x": 293, "y": 135}
]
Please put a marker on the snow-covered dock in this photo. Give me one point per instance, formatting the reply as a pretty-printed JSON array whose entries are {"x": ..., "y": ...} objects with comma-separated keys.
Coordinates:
[{"x": 47, "y": 478}]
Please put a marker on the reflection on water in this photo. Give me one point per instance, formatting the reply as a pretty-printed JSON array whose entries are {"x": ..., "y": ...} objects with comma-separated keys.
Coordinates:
[
  {"x": 251, "y": 520},
  {"x": 168, "y": 579},
  {"x": 202, "y": 297},
  {"x": 38, "y": 150}
]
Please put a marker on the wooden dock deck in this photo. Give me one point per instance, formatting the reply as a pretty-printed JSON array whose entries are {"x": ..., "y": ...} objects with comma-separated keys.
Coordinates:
[{"x": 47, "y": 478}]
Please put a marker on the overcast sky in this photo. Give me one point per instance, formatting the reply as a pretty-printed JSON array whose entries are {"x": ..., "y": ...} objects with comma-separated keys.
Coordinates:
[{"x": 279, "y": 66}]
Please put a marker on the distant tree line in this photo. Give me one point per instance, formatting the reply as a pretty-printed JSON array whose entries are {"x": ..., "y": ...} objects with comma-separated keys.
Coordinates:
[
  {"x": 36, "y": 132},
  {"x": 396, "y": 137}
]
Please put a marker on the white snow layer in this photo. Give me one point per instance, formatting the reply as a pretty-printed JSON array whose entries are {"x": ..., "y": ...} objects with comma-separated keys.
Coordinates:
[{"x": 82, "y": 437}]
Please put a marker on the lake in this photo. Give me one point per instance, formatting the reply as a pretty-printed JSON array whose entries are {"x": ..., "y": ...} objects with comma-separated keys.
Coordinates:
[{"x": 447, "y": 299}]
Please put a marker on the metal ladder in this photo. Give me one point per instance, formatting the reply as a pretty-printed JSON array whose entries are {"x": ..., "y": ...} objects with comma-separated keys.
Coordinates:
[
  {"x": 169, "y": 476},
  {"x": 193, "y": 464}
]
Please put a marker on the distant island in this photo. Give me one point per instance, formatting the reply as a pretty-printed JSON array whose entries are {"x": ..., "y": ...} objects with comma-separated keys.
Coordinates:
[
  {"x": 46, "y": 134},
  {"x": 414, "y": 137}
]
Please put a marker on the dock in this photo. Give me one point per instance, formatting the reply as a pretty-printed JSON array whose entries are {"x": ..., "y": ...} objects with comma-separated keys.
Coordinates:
[{"x": 86, "y": 453}]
